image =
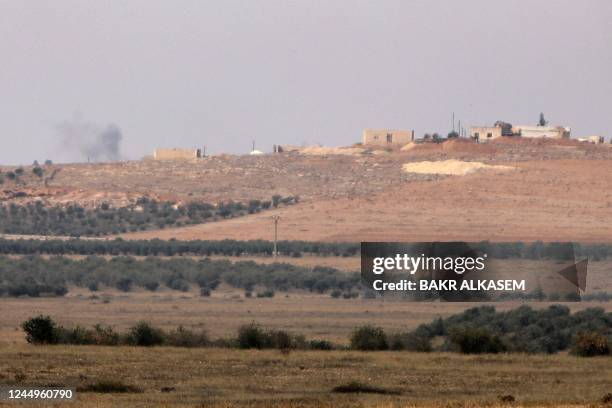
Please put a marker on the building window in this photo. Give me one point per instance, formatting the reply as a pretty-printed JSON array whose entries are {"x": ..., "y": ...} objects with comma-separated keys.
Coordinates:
[
  {"x": 389, "y": 138},
  {"x": 375, "y": 137},
  {"x": 489, "y": 135}
]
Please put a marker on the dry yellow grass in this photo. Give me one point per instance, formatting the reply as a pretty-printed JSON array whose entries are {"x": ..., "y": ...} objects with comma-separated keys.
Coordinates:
[
  {"x": 230, "y": 378},
  {"x": 315, "y": 316}
]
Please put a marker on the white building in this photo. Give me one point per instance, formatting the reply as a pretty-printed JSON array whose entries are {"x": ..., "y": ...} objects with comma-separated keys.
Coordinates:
[{"x": 552, "y": 132}]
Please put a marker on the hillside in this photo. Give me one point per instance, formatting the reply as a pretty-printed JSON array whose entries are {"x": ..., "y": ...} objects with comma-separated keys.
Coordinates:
[{"x": 547, "y": 190}]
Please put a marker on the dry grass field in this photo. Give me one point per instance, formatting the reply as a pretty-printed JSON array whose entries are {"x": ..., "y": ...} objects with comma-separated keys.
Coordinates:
[
  {"x": 315, "y": 316},
  {"x": 235, "y": 378}
]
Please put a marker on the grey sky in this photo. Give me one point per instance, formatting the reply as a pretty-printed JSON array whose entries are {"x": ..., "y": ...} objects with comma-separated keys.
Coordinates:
[{"x": 221, "y": 73}]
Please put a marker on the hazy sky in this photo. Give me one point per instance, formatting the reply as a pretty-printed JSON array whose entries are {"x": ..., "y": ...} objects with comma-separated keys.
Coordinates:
[{"x": 222, "y": 73}]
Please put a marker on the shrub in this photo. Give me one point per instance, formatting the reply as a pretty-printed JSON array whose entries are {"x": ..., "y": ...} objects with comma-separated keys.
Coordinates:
[
  {"x": 252, "y": 336},
  {"x": 320, "y": 345},
  {"x": 471, "y": 340},
  {"x": 40, "y": 330},
  {"x": 109, "y": 386},
  {"x": 205, "y": 292},
  {"x": 124, "y": 284},
  {"x": 182, "y": 337},
  {"x": 77, "y": 335},
  {"x": 281, "y": 340},
  {"x": 369, "y": 338},
  {"x": 410, "y": 342},
  {"x": 336, "y": 293},
  {"x": 105, "y": 336},
  {"x": 589, "y": 344},
  {"x": 143, "y": 334},
  {"x": 360, "y": 388},
  {"x": 268, "y": 293}
]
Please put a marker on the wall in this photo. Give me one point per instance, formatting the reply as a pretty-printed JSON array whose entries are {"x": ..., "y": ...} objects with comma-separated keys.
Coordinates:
[
  {"x": 177, "y": 154},
  {"x": 387, "y": 137},
  {"x": 554, "y": 132},
  {"x": 485, "y": 133}
]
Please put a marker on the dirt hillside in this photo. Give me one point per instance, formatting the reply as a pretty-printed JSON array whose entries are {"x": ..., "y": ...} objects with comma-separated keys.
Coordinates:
[{"x": 555, "y": 191}]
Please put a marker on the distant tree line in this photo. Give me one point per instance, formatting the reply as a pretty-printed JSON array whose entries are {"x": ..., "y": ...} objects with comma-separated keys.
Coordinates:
[
  {"x": 230, "y": 247},
  {"x": 75, "y": 221},
  {"x": 36, "y": 276},
  {"x": 157, "y": 247},
  {"x": 586, "y": 333}
]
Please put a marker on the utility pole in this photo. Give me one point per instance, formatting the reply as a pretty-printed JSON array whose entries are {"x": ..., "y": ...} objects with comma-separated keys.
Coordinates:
[{"x": 276, "y": 218}]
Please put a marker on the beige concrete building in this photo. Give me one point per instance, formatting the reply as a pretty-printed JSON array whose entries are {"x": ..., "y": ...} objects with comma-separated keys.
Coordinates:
[
  {"x": 387, "y": 137},
  {"x": 485, "y": 133},
  {"x": 177, "y": 154},
  {"x": 553, "y": 132},
  {"x": 592, "y": 139}
]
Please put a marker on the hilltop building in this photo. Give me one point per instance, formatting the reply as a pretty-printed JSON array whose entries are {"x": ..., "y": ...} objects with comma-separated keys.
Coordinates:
[
  {"x": 482, "y": 133},
  {"x": 387, "y": 137},
  {"x": 177, "y": 154},
  {"x": 552, "y": 132},
  {"x": 592, "y": 139},
  {"x": 499, "y": 129}
]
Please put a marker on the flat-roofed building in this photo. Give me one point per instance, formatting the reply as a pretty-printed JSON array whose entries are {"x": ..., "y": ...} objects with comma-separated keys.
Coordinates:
[
  {"x": 387, "y": 137},
  {"x": 177, "y": 154},
  {"x": 485, "y": 133},
  {"x": 551, "y": 132}
]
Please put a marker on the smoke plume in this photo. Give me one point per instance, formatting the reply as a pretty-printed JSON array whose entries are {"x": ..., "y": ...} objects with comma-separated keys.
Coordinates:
[{"x": 90, "y": 141}]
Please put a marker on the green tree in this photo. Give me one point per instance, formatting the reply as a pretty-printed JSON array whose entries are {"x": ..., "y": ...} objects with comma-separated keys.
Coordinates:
[
  {"x": 542, "y": 121},
  {"x": 40, "y": 330}
]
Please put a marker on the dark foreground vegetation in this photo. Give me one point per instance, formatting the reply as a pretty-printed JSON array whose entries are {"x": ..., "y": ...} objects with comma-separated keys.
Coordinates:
[
  {"x": 478, "y": 330},
  {"x": 75, "y": 221},
  {"x": 485, "y": 330},
  {"x": 36, "y": 276}
]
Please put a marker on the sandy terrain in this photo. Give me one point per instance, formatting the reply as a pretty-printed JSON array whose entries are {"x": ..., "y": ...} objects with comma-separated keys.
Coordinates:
[
  {"x": 553, "y": 200},
  {"x": 557, "y": 190}
]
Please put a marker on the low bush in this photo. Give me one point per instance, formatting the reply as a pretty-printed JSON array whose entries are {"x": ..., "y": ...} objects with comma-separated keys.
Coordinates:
[
  {"x": 590, "y": 344},
  {"x": 320, "y": 345},
  {"x": 410, "y": 342},
  {"x": 109, "y": 387},
  {"x": 182, "y": 337},
  {"x": 356, "y": 387},
  {"x": 369, "y": 338},
  {"x": 268, "y": 293},
  {"x": 472, "y": 340},
  {"x": 143, "y": 334},
  {"x": 252, "y": 336}
]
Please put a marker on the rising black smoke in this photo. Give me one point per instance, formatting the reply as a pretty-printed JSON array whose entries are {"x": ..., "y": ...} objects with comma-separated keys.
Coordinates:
[{"x": 94, "y": 142}]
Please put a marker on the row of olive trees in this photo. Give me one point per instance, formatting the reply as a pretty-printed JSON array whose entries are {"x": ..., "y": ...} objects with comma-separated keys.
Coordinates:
[
  {"x": 157, "y": 247},
  {"x": 75, "y": 220},
  {"x": 35, "y": 276}
]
